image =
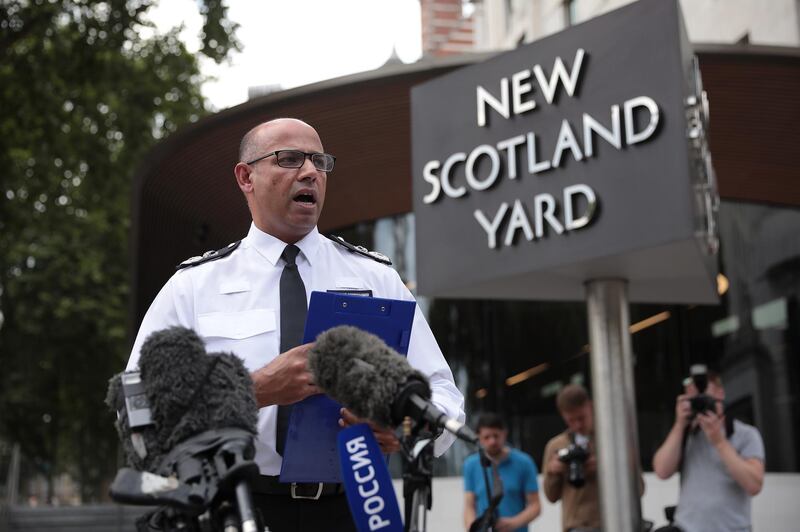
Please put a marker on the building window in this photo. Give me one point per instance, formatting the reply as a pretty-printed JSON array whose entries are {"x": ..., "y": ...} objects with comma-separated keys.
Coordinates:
[{"x": 570, "y": 12}]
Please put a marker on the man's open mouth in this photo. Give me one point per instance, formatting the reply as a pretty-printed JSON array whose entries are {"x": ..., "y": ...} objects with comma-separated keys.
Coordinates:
[{"x": 305, "y": 198}]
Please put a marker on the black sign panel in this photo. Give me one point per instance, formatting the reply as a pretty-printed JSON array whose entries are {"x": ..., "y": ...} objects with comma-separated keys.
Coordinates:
[{"x": 568, "y": 159}]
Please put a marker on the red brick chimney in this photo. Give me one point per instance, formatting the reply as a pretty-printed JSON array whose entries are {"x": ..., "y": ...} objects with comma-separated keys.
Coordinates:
[{"x": 445, "y": 31}]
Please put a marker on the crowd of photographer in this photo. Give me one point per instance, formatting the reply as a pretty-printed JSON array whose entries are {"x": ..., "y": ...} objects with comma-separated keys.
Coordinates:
[{"x": 720, "y": 460}]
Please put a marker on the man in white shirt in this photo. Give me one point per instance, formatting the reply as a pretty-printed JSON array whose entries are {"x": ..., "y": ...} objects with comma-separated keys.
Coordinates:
[{"x": 232, "y": 298}]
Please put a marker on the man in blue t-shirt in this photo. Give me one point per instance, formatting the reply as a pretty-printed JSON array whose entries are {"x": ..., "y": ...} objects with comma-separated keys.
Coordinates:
[{"x": 520, "y": 503}]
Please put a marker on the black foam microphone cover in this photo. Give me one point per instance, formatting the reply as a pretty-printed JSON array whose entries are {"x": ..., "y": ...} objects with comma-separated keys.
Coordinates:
[
  {"x": 189, "y": 392},
  {"x": 360, "y": 371}
]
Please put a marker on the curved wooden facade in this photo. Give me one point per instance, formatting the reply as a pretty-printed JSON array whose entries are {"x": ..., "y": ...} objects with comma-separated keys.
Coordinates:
[{"x": 186, "y": 200}]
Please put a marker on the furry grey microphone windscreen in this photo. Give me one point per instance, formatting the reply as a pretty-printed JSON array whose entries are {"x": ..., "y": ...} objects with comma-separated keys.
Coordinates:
[
  {"x": 189, "y": 391},
  {"x": 361, "y": 372}
]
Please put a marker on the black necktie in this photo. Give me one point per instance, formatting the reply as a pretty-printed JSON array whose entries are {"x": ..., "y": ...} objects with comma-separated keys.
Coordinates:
[{"x": 294, "y": 308}]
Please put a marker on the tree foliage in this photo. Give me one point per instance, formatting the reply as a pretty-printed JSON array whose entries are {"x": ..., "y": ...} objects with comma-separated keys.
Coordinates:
[{"x": 86, "y": 89}]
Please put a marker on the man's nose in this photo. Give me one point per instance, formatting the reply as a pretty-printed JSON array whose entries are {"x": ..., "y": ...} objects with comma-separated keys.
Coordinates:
[{"x": 308, "y": 170}]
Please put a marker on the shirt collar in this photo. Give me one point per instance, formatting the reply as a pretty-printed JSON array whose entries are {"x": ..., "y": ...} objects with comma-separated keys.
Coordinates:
[
  {"x": 271, "y": 247},
  {"x": 506, "y": 454}
]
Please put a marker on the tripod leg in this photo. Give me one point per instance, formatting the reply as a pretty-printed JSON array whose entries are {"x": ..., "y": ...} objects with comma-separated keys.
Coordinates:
[
  {"x": 412, "y": 521},
  {"x": 230, "y": 523},
  {"x": 418, "y": 519},
  {"x": 422, "y": 510},
  {"x": 245, "y": 503}
]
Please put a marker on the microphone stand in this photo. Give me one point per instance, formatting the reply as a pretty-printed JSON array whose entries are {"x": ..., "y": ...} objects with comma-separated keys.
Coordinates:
[
  {"x": 488, "y": 520},
  {"x": 416, "y": 447}
]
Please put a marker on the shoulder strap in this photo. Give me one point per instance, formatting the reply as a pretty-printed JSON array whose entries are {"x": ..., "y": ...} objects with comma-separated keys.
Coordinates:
[
  {"x": 729, "y": 428},
  {"x": 208, "y": 256},
  {"x": 361, "y": 250}
]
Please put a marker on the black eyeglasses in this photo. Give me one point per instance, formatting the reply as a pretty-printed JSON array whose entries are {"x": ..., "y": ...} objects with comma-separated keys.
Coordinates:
[{"x": 295, "y": 158}]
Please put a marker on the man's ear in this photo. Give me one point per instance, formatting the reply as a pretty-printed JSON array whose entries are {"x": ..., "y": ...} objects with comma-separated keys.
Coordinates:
[{"x": 242, "y": 173}]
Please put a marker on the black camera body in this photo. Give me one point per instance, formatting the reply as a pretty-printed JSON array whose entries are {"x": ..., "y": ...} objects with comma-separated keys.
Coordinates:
[
  {"x": 574, "y": 456},
  {"x": 702, "y": 402}
]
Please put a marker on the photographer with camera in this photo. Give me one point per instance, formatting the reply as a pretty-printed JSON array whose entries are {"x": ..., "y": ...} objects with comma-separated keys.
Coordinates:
[
  {"x": 570, "y": 464},
  {"x": 721, "y": 460}
]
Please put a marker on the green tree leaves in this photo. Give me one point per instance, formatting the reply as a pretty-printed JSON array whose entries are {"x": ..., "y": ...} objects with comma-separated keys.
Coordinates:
[{"x": 83, "y": 96}]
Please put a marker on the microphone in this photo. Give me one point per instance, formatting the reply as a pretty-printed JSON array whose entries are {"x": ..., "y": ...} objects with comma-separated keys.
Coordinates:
[
  {"x": 361, "y": 372},
  {"x": 189, "y": 391},
  {"x": 184, "y": 414}
]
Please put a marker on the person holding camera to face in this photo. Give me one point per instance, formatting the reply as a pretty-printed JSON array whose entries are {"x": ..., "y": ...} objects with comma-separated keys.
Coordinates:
[
  {"x": 570, "y": 463},
  {"x": 721, "y": 460}
]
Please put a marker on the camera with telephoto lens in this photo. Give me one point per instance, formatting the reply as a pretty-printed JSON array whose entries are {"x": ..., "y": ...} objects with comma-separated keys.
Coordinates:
[
  {"x": 701, "y": 402},
  {"x": 574, "y": 456}
]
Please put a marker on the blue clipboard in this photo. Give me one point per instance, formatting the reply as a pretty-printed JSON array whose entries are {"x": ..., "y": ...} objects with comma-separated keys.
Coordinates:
[{"x": 310, "y": 453}]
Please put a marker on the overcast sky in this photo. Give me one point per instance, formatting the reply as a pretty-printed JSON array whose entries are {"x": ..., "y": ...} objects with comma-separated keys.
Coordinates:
[{"x": 296, "y": 42}]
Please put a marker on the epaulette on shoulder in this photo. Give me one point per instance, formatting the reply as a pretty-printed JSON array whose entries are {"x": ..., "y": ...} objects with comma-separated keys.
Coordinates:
[
  {"x": 361, "y": 250},
  {"x": 208, "y": 256}
]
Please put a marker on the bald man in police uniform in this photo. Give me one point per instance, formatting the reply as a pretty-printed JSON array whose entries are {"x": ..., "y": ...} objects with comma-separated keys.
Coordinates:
[{"x": 231, "y": 297}]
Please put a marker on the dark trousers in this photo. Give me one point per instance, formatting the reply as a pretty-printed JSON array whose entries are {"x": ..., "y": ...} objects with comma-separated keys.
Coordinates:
[{"x": 281, "y": 513}]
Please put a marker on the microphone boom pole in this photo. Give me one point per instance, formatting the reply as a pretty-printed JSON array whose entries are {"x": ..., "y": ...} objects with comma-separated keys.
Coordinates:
[{"x": 416, "y": 447}]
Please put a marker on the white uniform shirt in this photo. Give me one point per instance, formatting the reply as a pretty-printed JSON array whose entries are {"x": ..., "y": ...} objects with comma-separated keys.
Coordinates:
[{"x": 234, "y": 305}]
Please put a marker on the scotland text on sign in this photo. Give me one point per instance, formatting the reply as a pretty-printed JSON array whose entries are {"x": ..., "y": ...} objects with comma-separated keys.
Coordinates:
[{"x": 486, "y": 164}]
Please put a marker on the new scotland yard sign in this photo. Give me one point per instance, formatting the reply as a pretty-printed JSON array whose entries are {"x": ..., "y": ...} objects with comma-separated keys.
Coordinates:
[{"x": 576, "y": 157}]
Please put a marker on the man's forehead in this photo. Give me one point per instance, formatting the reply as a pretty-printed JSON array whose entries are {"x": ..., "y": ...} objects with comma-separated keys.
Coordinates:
[
  {"x": 286, "y": 133},
  {"x": 578, "y": 411},
  {"x": 577, "y": 408}
]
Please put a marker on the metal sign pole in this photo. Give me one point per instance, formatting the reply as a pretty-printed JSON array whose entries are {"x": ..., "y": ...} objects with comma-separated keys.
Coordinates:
[{"x": 615, "y": 404}]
